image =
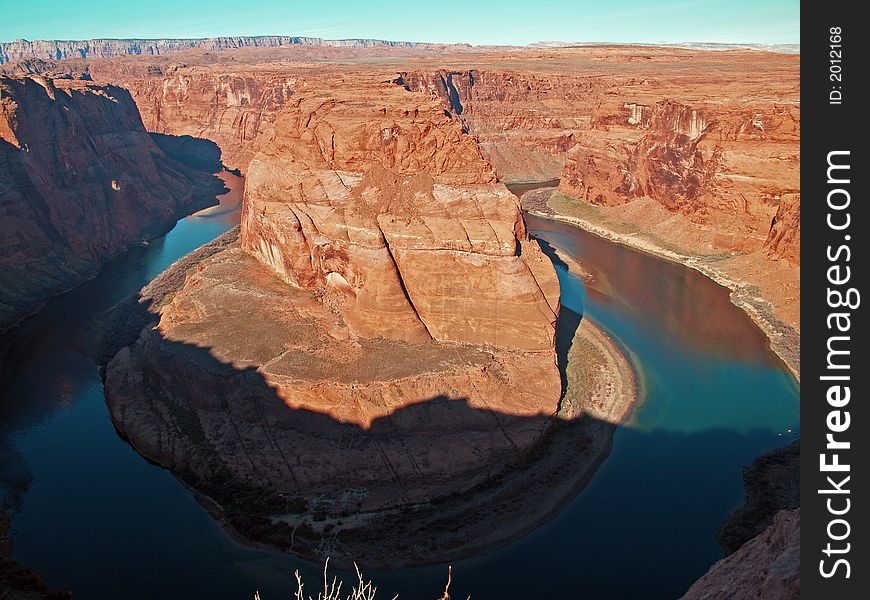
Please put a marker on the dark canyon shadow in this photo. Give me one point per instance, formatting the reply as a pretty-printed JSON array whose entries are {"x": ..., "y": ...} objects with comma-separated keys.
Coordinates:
[
  {"x": 197, "y": 153},
  {"x": 70, "y": 327},
  {"x": 514, "y": 494},
  {"x": 408, "y": 489}
]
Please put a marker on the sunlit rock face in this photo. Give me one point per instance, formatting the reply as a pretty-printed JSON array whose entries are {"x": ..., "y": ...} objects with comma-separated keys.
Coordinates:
[
  {"x": 387, "y": 202},
  {"x": 676, "y": 141},
  {"x": 233, "y": 108},
  {"x": 722, "y": 166}
]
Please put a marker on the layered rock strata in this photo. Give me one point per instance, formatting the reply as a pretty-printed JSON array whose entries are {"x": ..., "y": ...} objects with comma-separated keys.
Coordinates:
[
  {"x": 699, "y": 168},
  {"x": 524, "y": 121},
  {"x": 80, "y": 180},
  {"x": 729, "y": 166},
  {"x": 232, "y": 108}
]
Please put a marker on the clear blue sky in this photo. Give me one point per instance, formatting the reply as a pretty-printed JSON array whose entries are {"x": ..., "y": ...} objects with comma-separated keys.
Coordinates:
[{"x": 503, "y": 21}]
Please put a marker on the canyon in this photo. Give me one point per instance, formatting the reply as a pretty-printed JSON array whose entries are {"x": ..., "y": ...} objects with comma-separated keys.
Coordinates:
[
  {"x": 376, "y": 349},
  {"x": 703, "y": 170},
  {"x": 80, "y": 181}
]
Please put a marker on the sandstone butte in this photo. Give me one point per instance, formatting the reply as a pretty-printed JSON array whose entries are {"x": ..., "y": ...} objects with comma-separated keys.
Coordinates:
[
  {"x": 80, "y": 180},
  {"x": 382, "y": 335}
]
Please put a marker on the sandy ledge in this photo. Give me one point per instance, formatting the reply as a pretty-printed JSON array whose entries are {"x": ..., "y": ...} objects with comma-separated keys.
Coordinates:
[{"x": 784, "y": 340}]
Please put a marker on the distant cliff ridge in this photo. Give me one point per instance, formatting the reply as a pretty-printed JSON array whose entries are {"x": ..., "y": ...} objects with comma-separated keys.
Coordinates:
[{"x": 62, "y": 49}]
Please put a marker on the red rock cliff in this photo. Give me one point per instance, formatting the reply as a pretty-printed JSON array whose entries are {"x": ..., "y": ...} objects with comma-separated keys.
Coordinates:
[
  {"x": 715, "y": 164},
  {"x": 80, "y": 179},
  {"x": 231, "y": 108}
]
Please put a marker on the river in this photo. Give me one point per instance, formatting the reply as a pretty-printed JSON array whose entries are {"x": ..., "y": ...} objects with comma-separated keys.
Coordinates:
[{"x": 92, "y": 514}]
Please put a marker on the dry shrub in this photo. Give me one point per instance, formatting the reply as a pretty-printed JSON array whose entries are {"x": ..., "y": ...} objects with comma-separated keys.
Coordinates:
[{"x": 363, "y": 590}]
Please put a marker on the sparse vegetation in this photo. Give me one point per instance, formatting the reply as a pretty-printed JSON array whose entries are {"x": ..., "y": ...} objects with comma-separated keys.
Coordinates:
[{"x": 363, "y": 590}]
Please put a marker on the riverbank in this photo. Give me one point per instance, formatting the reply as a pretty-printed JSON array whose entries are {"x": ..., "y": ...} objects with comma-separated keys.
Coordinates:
[{"x": 784, "y": 339}]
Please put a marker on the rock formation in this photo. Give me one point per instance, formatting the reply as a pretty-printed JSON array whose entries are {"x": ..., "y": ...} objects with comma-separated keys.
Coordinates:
[
  {"x": 382, "y": 336},
  {"x": 768, "y": 566},
  {"x": 697, "y": 164},
  {"x": 704, "y": 167},
  {"x": 80, "y": 180},
  {"x": 716, "y": 165},
  {"x": 232, "y": 107},
  {"x": 619, "y": 139},
  {"x": 524, "y": 121},
  {"x": 784, "y": 239}
]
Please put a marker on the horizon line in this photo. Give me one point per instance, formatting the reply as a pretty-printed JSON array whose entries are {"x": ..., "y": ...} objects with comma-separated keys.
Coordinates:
[{"x": 432, "y": 43}]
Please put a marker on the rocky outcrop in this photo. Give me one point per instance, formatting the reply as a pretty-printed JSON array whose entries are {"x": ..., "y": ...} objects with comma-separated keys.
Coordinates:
[
  {"x": 62, "y": 49},
  {"x": 80, "y": 180},
  {"x": 784, "y": 239},
  {"x": 768, "y": 566},
  {"x": 381, "y": 337},
  {"x": 524, "y": 122},
  {"x": 704, "y": 181}
]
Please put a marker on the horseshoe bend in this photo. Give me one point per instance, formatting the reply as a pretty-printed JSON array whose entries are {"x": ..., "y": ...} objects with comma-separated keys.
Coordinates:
[
  {"x": 432, "y": 301},
  {"x": 380, "y": 338}
]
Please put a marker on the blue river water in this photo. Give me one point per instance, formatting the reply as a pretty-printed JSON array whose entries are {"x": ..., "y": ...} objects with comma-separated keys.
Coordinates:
[{"x": 92, "y": 514}]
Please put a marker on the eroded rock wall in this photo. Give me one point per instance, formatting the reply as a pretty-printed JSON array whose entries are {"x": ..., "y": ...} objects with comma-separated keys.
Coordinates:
[
  {"x": 721, "y": 167},
  {"x": 524, "y": 122},
  {"x": 710, "y": 157},
  {"x": 230, "y": 106},
  {"x": 80, "y": 180}
]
